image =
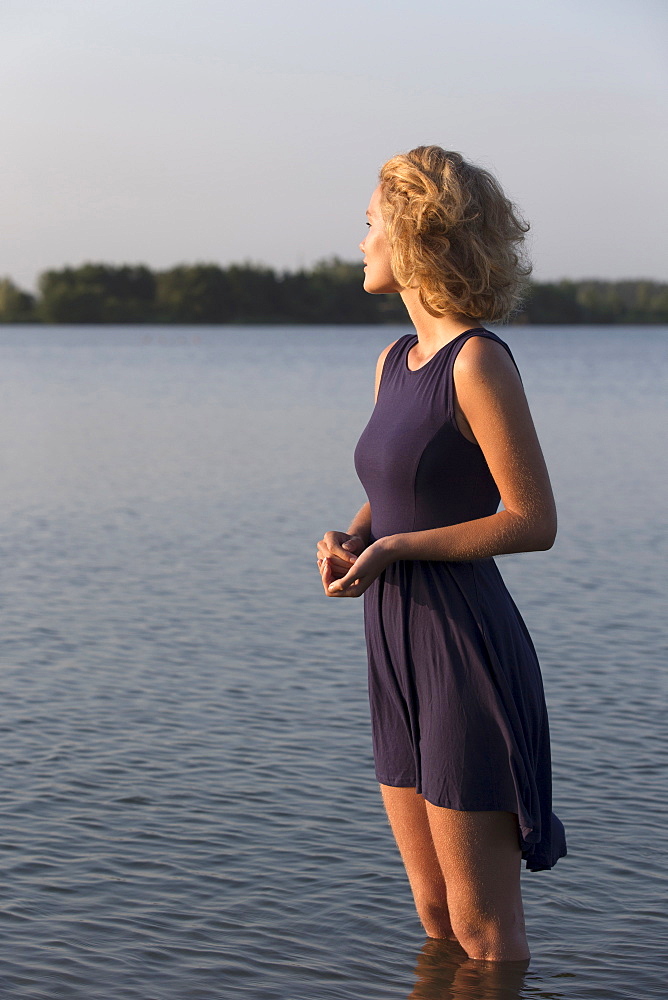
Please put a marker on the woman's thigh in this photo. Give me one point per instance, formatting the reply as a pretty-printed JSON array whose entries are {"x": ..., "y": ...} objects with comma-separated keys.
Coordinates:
[
  {"x": 407, "y": 813},
  {"x": 479, "y": 855},
  {"x": 478, "y": 852}
]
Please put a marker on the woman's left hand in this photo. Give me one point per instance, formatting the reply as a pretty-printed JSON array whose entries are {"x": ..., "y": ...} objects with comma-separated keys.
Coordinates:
[{"x": 366, "y": 568}]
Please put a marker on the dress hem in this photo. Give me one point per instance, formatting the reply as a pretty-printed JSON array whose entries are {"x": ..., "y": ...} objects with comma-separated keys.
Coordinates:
[{"x": 533, "y": 858}]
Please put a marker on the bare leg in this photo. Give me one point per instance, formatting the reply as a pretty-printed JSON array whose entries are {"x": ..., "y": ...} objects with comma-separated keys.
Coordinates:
[
  {"x": 463, "y": 868},
  {"x": 407, "y": 813},
  {"x": 480, "y": 856}
]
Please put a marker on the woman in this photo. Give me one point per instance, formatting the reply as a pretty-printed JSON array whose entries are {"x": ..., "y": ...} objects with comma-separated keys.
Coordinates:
[{"x": 460, "y": 729}]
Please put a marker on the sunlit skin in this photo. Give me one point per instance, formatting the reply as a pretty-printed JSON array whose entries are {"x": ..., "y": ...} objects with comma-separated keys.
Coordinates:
[{"x": 463, "y": 867}]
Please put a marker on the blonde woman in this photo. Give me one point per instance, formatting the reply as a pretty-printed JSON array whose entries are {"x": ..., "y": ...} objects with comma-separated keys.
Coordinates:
[{"x": 460, "y": 730}]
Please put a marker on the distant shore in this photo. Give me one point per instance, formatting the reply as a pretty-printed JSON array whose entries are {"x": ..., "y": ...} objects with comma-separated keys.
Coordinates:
[{"x": 329, "y": 292}]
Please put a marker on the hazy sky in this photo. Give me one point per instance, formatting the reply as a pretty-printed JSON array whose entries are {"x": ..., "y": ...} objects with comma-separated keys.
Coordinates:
[{"x": 164, "y": 131}]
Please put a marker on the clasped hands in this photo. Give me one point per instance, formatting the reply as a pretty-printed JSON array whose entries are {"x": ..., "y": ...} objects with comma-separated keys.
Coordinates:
[{"x": 347, "y": 567}]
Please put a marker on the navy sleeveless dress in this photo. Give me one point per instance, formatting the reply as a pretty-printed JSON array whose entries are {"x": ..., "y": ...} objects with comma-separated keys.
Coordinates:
[{"x": 457, "y": 704}]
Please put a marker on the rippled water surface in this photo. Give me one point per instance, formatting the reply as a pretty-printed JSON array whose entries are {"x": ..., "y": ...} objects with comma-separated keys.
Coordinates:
[{"x": 188, "y": 801}]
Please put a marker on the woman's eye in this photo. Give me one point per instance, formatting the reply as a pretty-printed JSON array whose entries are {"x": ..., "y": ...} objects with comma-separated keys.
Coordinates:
[{"x": 367, "y": 224}]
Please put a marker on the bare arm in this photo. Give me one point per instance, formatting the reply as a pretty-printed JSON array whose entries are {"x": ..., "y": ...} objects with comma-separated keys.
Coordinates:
[
  {"x": 361, "y": 523},
  {"x": 495, "y": 413},
  {"x": 494, "y": 407}
]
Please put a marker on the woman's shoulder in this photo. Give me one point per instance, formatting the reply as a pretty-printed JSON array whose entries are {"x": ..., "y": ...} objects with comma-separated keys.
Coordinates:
[
  {"x": 399, "y": 343},
  {"x": 386, "y": 350},
  {"x": 486, "y": 377},
  {"x": 382, "y": 357},
  {"x": 380, "y": 365},
  {"x": 483, "y": 354}
]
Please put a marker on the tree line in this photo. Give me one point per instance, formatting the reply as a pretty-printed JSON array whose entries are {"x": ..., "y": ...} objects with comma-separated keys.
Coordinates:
[{"x": 329, "y": 292}]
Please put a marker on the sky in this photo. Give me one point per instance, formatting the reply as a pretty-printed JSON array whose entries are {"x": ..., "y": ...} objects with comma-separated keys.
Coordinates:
[{"x": 181, "y": 131}]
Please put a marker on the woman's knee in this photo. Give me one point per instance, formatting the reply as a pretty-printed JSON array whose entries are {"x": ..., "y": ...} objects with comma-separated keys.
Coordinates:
[
  {"x": 490, "y": 938},
  {"x": 435, "y": 917}
]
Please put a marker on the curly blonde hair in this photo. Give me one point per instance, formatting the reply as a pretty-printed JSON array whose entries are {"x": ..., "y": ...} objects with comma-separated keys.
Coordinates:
[{"x": 453, "y": 234}]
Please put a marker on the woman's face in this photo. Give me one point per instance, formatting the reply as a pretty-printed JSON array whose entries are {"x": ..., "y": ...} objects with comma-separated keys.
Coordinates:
[{"x": 378, "y": 277}]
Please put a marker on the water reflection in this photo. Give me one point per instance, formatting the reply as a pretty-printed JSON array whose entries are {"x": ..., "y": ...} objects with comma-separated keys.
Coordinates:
[{"x": 445, "y": 973}]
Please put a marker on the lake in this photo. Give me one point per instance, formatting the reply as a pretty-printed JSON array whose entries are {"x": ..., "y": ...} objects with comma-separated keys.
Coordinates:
[{"x": 188, "y": 801}]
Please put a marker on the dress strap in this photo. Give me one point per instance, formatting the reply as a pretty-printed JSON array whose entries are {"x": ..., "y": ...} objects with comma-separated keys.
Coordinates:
[
  {"x": 395, "y": 359},
  {"x": 455, "y": 347}
]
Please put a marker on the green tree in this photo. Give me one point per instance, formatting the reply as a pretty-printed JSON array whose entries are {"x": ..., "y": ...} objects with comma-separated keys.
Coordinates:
[
  {"x": 196, "y": 293},
  {"x": 551, "y": 302},
  {"x": 15, "y": 306},
  {"x": 97, "y": 293},
  {"x": 330, "y": 292},
  {"x": 254, "y": 294}
]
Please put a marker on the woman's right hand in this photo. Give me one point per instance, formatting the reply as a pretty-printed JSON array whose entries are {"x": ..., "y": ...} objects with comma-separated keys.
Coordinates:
[{"x": 336, "y": 553}]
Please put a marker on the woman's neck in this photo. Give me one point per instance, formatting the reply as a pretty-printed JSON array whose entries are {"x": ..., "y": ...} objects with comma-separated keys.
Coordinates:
[{"x": 433, "y": 331}]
